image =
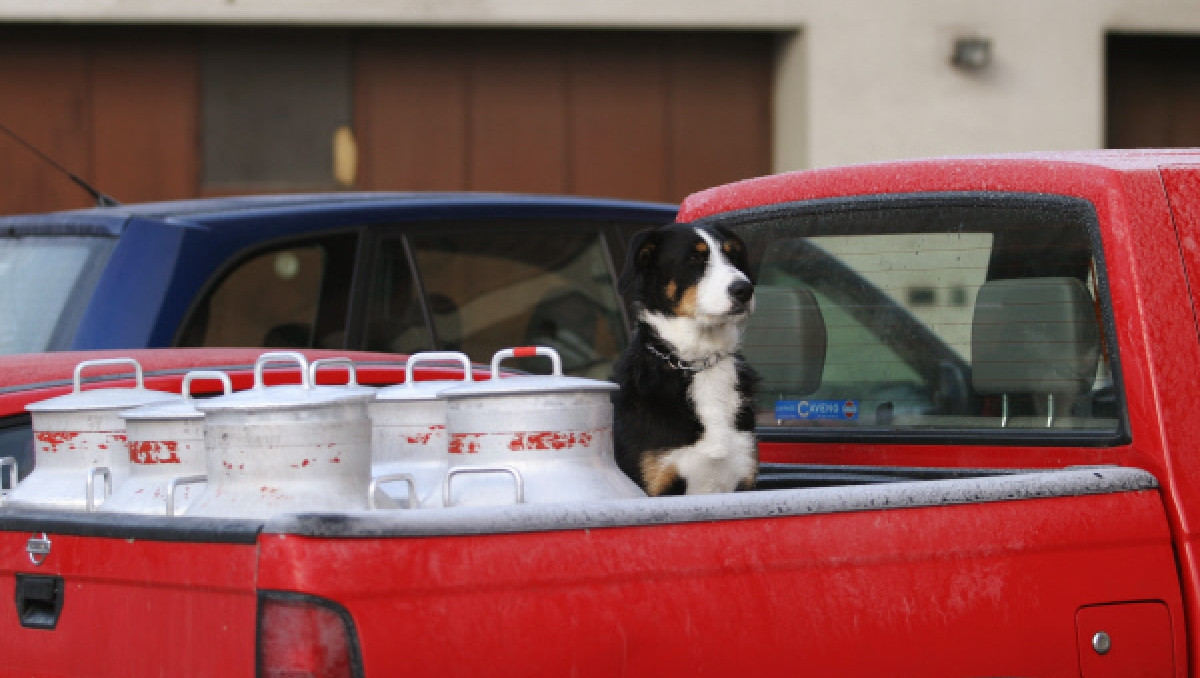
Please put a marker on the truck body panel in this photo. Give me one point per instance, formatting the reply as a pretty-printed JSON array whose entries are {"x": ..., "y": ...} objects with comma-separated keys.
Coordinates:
[{"x": 129, "y": 607}]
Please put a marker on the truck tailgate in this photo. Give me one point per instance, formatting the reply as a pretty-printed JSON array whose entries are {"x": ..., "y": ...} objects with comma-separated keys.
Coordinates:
[{"x": 132, "y": 600}]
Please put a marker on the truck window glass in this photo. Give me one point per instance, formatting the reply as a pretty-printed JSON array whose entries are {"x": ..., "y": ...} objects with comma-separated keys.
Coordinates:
[
  {"x": 288, "y": 296},
  {"x": 921, "y": 317},
  {"x": 493, "y": 288},
  {"x": 44, "y": 282}
]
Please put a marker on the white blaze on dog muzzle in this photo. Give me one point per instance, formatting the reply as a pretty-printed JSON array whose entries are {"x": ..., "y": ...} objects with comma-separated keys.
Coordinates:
[{"x": 714, "y": 290}]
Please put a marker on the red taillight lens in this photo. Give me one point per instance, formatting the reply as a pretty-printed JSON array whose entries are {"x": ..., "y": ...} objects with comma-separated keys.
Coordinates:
[{"x": 305, "y": 637}]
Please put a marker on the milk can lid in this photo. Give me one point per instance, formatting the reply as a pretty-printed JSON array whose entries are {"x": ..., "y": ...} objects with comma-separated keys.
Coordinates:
[
  {"x": 182, "y": 406},
  {"x": 286, "y": 397},
  {"x": 102, "y": 398},
  {"x": 528, "y": 384},
  {"x": 412, "y": 390}
]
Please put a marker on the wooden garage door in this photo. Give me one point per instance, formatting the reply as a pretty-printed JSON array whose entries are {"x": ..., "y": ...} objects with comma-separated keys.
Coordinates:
[
  {"x": 173, "y": 113},
  {"x": 638, "y": 115},
  {"x": 116, "y": 107},
  {"x": 1153, "y": 91}
]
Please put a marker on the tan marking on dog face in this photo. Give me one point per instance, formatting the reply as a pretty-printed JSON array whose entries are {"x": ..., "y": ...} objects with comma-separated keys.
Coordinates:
[
  {"x": 731, "y": 246},
  {"x": 701, "y": 247},
  {"x": 670, "y": 290},
  {"x": 644, "y": 253},
  {"x": 686, "y": 307},
  {"x": 657, "y": 474}
]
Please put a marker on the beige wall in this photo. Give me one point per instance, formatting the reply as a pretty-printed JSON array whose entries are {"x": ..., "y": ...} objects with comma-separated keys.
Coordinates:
[{"x": 857, "y": 80}]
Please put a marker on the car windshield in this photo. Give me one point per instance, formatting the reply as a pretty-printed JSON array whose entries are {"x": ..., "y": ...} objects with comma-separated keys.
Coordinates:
[{"x": 45, "y": 282}]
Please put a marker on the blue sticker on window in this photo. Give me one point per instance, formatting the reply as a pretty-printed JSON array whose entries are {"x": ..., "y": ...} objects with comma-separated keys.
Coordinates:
[{"x": 844, "y": 410}]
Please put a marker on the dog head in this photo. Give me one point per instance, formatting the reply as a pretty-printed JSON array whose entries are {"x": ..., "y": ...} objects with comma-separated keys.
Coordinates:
[{"x": 688, "y": 271}]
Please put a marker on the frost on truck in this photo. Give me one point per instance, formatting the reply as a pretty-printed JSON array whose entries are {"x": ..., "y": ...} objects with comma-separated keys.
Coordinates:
[{"x": 922, "y": 314}]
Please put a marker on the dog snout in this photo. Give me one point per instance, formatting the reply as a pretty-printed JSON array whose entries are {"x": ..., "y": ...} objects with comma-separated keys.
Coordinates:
[{"x": 741, "y": 291}]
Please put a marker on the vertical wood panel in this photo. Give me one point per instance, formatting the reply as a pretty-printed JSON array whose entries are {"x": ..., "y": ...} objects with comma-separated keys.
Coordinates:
[
  {"x": 618, "y": 117},
  {"x": 146, "y": 105},
  {"x": 411, "y": 111},
  {"x": 518, "y": 114},
  {"x": 646, "y": 115},
  {"x": 45, "y": 101},
  {"x": 719, "y": 103}
]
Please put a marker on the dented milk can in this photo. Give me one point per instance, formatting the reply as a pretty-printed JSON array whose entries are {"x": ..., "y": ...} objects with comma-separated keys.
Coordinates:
[
  {"x": 285, "y": 449},
  {"x": 408, "y": 438},
  {"x": 532, "y": 438},
  {"x": 166, "y": 453},
  {"x": 80, "y": 449}
]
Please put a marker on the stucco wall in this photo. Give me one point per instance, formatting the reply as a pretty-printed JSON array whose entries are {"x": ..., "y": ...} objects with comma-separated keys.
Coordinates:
[{"x": 857, "y": 80}]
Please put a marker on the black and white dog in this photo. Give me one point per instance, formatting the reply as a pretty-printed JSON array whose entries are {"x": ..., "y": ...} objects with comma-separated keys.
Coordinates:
[{"x": 684, "y": 415}]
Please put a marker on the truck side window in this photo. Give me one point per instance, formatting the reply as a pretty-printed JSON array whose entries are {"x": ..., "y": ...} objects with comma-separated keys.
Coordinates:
[
  {"x": 922, "y": 317},
  {"x": 395, "y": 319},
  {"x": 496, "y": 286},
  {"x": 294, "y": 295}
]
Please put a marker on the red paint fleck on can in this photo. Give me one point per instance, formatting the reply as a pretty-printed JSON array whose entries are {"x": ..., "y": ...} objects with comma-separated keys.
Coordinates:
[
  {"x": 464, "y": 443},
  {"x": 53, "y": 439},
  {"x": 549, "y": 440},
  {"x": 154, "y": 452}
]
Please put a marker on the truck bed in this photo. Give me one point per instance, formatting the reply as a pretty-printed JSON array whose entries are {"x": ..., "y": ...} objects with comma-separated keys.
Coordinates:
[{"x": 765, "y": 581}]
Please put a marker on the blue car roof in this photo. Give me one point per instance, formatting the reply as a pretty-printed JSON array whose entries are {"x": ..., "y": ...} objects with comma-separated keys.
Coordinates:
[{"x": 366, "y": 205}]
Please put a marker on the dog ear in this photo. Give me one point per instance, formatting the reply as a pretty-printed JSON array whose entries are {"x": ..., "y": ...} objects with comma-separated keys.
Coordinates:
[{"x": 643, "y": 249}]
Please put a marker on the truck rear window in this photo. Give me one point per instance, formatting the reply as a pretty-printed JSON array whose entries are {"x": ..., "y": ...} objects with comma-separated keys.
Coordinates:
[
  {"x": 930, "y": 313},
  {"x": 45, "y": 284}
]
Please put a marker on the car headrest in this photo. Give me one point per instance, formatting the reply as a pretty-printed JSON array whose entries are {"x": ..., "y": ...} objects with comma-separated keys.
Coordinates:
[
  {"x": 1034, "y": 335},
  {"x": 785, "y": 340}
]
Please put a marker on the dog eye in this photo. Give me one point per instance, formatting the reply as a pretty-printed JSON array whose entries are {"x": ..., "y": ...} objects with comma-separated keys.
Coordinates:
[{"x": 697, "y": 257}]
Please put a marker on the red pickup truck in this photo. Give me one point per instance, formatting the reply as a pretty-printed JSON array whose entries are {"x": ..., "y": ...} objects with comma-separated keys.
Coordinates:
[{"x": 976, "y": 428}]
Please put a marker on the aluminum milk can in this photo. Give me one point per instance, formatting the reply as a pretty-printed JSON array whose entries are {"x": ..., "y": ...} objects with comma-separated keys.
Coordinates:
[
  {"x": 532, "y": 438},
  {"x": 166, "y": 453},
  {"x": 285, "y": 449},
  {"x": 80, "y": 449},
  {"x": 408, "y": 438}
]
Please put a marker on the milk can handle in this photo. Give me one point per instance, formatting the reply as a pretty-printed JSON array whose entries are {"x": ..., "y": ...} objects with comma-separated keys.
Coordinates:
[
  {"x": 195, "y": 375},
  {"x": 137, "y": 369},
  {"x": 11, "y": 464},
  {"x": 175, "y": 482},
  {"x": 351, "y": 372},
  {"x": 94, "y": 471},
  {"x": 518, "y": 481},
  {"x": 527, "y": 352},
  {"x": 407, "y": 478},
  {"x": 281, "y": 357},
  {"x": 431, "y": 356}
]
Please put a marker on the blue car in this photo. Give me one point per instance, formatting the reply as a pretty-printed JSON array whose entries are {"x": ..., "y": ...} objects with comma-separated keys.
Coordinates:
[{"x": 394, "y": 272}]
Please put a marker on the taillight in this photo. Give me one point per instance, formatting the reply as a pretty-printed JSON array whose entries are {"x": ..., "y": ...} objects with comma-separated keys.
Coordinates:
[{"x": 303, "y": 636}]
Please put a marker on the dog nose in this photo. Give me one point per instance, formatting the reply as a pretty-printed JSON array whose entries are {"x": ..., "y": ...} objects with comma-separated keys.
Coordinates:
[{"x": 741, "y": 291}]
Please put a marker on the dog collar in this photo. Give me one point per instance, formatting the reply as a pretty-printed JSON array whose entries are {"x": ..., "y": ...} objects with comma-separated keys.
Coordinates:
[{"x": 698, "y": 365}]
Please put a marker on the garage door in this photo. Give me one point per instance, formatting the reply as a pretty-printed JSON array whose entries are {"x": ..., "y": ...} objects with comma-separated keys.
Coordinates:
[
  {"x": 1153, "y": 91},
  {"x": 189, "y": 112}
]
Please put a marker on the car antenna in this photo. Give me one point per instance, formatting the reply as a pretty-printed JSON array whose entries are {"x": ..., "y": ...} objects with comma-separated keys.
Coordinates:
[{"x": 102, "y": 200}]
